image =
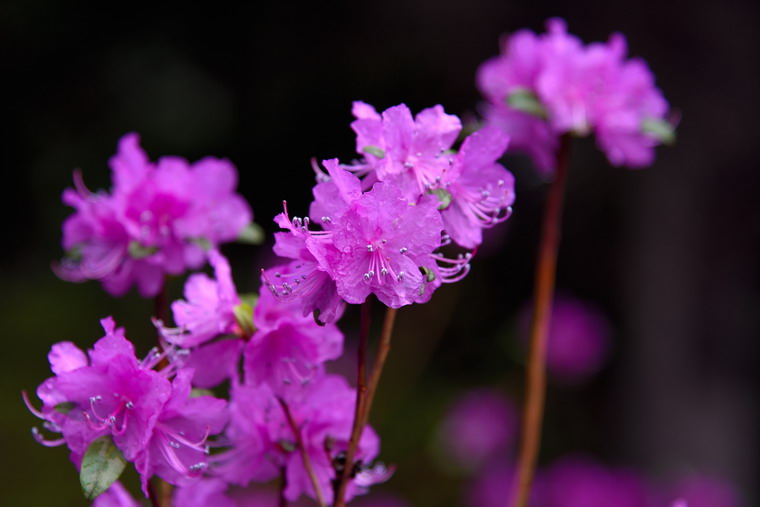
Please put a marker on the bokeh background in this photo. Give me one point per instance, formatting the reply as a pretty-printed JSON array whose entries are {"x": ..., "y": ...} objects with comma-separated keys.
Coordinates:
[{"x": 668, "y": 253}]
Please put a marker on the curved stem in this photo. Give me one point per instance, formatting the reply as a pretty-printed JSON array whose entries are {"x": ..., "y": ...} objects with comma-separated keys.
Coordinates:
[
  {"x": 543, "y": 294},
  {"x": 304, "y": 452},
  {"x": 363, "y": 409}
]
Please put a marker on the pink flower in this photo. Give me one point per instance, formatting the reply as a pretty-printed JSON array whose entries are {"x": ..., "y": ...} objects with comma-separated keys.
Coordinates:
[
  {"x": 158, "y": 219},
  {"x": 263, "y": 441},
  {"x": 481, "y": 425},
  {"x": 544, "y": 86},
  {"x": 403, "y": 149},
  {"x": 208, "y": 309},
  {"x": 177, "y": 450},
  {"x": 287, "y": 350},
  {"x": 579, "y": 340},
  {"x": 482, "y": 191}
]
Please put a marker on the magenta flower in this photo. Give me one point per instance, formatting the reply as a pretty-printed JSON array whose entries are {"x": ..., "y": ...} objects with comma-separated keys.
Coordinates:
[
  {"x": 579, "y": 340},
  {"x": 263, "y": 441},
  {"x": 158, "y": 219},
  {"x": 544, "y": 86},
  {"x": 154, "y": 423},
  {"x": 481, "y": 425},
  {"x": 405, "y": 150},
  {"x": 287, "y": 350},
  {"x": 115, "y": 496},
  {"x": 482, "y": 191},
  {"x": 699, "y": 490},
  {"x": 208, "y": 309},
  {"x": 580, "y": 482},
  {"x": 112, "y": 394},
  {"x": 177, "y": 451}
]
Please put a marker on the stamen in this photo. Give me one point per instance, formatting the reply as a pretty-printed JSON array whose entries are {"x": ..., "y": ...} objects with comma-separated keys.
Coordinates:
[
  {"x": 31, "y": 408},
  {"x": 47, "y": 443},
  {"x": 401, "y": 276},
  {"x": 403, "y": 250}
]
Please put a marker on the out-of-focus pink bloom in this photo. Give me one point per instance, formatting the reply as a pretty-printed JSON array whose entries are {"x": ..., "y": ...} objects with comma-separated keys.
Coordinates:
[
  {"x": 576, "y": 481},
  {"x": 480, "y": 425},
  {"x": 205, "y": 492},
  {"x": 158, "y": 219},
  {"x": 544, "y": 86},
  {"x": 579, "y": 340},
  {"x": 493, "y": 487},
  {"x": 699, "y": 490}
]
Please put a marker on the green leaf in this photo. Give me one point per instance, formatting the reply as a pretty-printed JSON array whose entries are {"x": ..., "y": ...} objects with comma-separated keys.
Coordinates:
[
  {"x": 287, "y": 445},
  {"x": 244, "y": 317},
  {"x": 252, "y": 234},
  {"x": 522, "y": 99},
  {"x": 64, "y": 408},
  {"x": 137, "y": 251},
  {"x": 659, "y": 129},
  {"x": 374, "y": 150},
  {"x": 429, "y": 273},
  {"x": 196, "y": 392},
  {"x": 101, "y": 466},
  {"x": 202, "y": 242},
  {"x": 444, "y": 197}
]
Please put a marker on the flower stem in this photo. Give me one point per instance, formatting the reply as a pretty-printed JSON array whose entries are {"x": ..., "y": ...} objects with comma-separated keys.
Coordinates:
[
  {"x": 543, "y": 295},
  {"x": 283, "y": 502},
  {"x": 364, "y": 404},
  {"x": 304, "y": 452},
  {"x": 164, "y": 489}
]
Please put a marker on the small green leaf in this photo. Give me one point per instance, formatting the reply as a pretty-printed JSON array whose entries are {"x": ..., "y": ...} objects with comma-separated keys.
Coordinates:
[
  {"x": 524, "y": 100},
  {"x": 429, "y": 273},
  {"x": 250, "y": 298},
  {"x": 196, "y": 392},
  {"x": 444, "y": 197},
  {"x": 659, "y": 129},
  {"x": 64, "y": 408},
  {"x": 252, "y": 234},
  {"x": 287, "y": 445},
  {"x": 138, "y": 251},
  {"x": 202, "y": 242},
  {"x": 244, "y": 317},
  {"x": 374, "y": 150},
  {"x": 102, "y": 465}
]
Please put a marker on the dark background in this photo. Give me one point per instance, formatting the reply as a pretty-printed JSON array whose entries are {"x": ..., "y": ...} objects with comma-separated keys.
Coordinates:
[{"x": 669, "y": 252}]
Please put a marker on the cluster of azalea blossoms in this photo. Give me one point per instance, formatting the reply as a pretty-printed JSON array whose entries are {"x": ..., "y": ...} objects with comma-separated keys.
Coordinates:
[
  {"x": 382, "y": 234},
  {"x": 159, "y": 218},
  {"x": 544, "y": 86}
]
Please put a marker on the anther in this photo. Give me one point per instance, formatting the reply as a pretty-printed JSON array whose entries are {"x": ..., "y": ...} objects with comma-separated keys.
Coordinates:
[
  {"x": 366, "y": 277},
  {"x": 129, "y": 405},
  {"x": 384, "y": 272},
  {"x": 371, "y": 273},
  {"x": 400, "y": 276},
  {"x": 369, "y": 248},
  {"x": 402, "y": 250}
]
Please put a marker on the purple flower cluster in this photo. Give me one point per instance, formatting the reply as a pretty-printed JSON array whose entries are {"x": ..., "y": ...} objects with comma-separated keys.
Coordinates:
[
  {"x": 159, "y": 218},
  {"x": 153, "y": 421},
  {"x": 382, "y": 235},
  {"x": 544, "y": 86}
]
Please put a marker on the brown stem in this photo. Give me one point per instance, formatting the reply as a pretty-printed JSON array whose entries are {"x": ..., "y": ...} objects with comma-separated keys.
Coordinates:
[
  {"x": 304, "y": 452},
  {"x": 543, "y": 291},
  {"x": 283, "y": 502},
  {"x": 163, "y": 488},
  {"x": 361, "y": 394},
  {"x": 377, "y": 369}
]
